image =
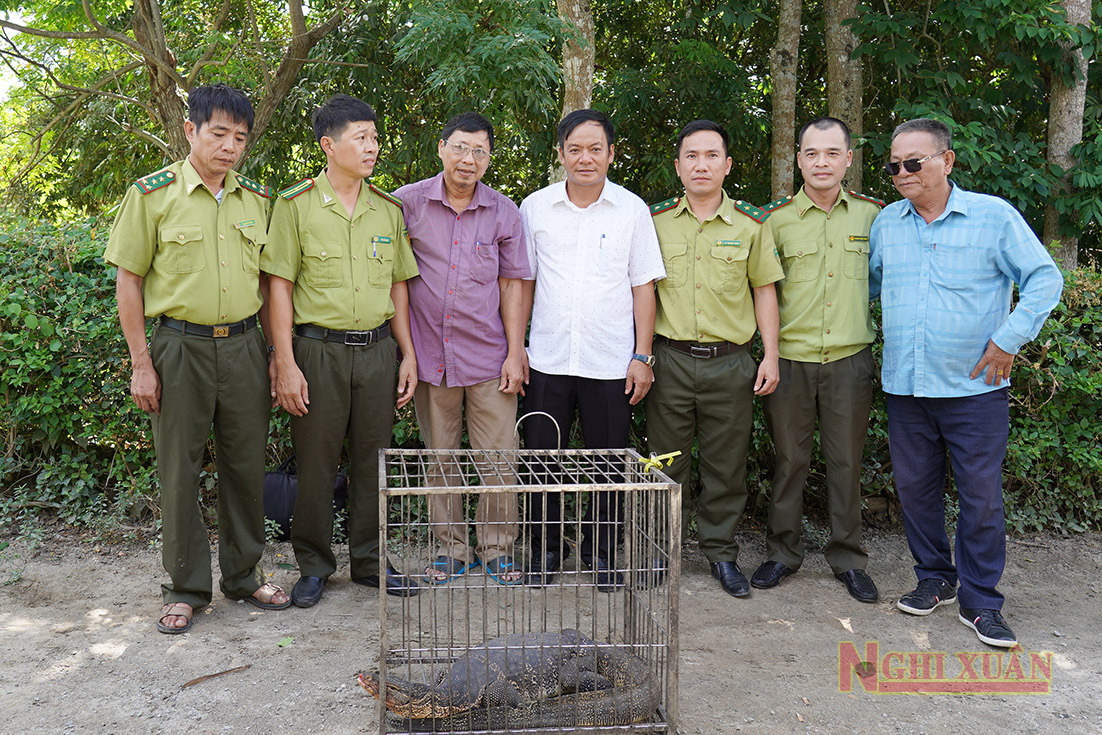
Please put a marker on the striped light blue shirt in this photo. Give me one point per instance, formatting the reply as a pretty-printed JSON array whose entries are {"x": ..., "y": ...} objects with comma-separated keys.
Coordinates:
[{"x": 946, "y": 288}]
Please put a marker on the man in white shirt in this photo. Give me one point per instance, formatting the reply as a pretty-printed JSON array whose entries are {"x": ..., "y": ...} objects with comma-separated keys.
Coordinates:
[{"x": 594, "y": 257}]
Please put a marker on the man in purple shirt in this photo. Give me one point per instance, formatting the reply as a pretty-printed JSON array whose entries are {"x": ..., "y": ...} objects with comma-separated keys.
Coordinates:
[{"x": 468, "y": 323}]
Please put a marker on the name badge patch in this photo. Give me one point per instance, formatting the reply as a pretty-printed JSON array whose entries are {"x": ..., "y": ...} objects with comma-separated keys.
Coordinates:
[
  {"x": 245, "y": 223},
  {"x": 729, "y": 243},
  {"x": 858, "y": 238}
]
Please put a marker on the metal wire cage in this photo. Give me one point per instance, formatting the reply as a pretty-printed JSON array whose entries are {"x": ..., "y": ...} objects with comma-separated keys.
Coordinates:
[{"x": 631, "y": 609}]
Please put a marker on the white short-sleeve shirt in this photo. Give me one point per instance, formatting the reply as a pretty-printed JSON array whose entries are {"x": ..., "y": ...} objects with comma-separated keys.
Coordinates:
[{"x": 585, "y": 263}]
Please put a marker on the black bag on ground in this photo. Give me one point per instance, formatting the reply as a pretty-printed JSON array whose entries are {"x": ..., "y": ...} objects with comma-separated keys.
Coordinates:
[{"x": 281, "y": 489}]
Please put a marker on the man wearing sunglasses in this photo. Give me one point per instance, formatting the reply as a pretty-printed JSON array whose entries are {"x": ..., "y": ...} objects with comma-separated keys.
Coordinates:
[
  {"x": 944, "y": 262},
  {"x": 826, "y": 365},
  {"x": 467, "y": 320}
]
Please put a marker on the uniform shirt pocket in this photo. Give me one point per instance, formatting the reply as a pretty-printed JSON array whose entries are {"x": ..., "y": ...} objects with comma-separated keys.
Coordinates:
[
  {"x": 857, "y": 259},
  {"x": 484, "y": 262},
  {"x": 800, "y": 263},
  {"x": 253, "y": 239},
  {"x": 182, "y": 248},
  {"x": 322, "y": 264},
  {"x": 380, "y": 262},
  {"x": 676, "y": 259},
  {"x": 729, "y": 266}
]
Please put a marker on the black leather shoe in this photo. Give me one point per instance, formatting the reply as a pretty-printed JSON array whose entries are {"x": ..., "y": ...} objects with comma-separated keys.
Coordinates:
[
  {"x": 860, "y": 585},
  {"x": 731, "y": 578},
  {"x": 397, "y": 584},
  {"x": 542, "y": 568},
  {"x": 307, "y": 591},
  {"x": 607, "y": 580},
  {"x": 770, "y": 574}
]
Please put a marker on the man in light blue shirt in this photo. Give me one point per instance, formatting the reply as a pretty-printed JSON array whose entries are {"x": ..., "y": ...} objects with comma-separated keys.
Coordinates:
[{"x": 944, "y": 262}]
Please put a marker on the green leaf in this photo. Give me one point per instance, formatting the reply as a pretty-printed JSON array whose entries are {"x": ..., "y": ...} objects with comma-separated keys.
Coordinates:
[{"x": 285, "y": 641}]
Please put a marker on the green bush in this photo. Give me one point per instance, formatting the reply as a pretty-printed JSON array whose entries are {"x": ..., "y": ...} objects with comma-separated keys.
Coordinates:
[{"x": 75, "y": 447}]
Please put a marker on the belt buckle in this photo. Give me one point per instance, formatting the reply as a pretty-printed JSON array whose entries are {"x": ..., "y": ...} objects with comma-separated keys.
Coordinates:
[
  {"x": 357, "y": 339},
  {"x": 701, "y": 351},
  {"x": 221, "y": 332}
]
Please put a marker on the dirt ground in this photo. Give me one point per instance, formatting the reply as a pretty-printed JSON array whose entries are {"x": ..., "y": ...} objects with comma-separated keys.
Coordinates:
[{"x": 79, "y": 652}]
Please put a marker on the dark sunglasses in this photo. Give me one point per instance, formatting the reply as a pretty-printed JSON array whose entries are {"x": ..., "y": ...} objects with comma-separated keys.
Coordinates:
[{"x": 913, "y": 165}]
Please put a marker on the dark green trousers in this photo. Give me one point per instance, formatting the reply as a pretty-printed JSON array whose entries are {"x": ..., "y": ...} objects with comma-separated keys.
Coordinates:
[
  {"x": 711, "y": 399},
  {"x": 840, "y": 393},
  {"x": 351, "y": 397},
  {"x": 220, "y": 382}
]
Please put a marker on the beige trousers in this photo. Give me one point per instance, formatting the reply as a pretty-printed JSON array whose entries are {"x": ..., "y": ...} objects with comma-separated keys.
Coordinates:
[{"x": 491, "y": 416}]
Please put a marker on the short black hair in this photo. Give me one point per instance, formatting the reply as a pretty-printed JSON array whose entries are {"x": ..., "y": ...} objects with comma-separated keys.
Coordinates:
[
  {"x": 203, "y": 101},
  {"x": 939, "y": 130},
  {"x": 469, "y": 122},
  {"x": 825, "y": 123},
  {"x": 578, "y": 117},
  {"x": 338, "y": 111},
  {"x": 697, "y": 126}
]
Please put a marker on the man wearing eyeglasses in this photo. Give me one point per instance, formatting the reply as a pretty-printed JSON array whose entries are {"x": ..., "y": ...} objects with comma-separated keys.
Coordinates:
[
  {"x": 944, "y": 263},
  {"x": 826, "y": 364},
  {"x": 467, "y": 319}
]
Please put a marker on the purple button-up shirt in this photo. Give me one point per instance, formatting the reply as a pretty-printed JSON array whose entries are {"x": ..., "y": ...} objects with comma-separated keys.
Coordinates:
[{"x": 455, "y": 304}]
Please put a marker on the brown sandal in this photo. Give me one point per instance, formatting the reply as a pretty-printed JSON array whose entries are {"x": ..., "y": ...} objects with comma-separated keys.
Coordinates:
[
  {"x": 173, "y": 609},
  {"x": 272, "y": 590}
]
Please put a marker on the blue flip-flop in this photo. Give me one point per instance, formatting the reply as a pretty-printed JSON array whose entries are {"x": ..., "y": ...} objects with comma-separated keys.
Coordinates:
[
  {"x": 451, "y": 566},
  {"x": 501, "y": 566}
]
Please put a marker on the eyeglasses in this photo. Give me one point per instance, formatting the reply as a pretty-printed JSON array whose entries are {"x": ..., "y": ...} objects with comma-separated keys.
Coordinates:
[
  {"x": 462, "y": 149},
  {"x": 913, "y": 165}
]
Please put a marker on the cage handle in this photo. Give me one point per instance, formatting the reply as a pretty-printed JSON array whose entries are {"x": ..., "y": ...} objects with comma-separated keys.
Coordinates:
[{"x": 558, "y": 431}]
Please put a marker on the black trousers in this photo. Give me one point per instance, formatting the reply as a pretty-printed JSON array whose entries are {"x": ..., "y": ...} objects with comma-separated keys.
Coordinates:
[{"x": 605, "y": 416}]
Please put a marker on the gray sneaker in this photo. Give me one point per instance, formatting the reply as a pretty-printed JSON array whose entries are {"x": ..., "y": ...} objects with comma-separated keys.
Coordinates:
[{"x": 927, "y": 596}]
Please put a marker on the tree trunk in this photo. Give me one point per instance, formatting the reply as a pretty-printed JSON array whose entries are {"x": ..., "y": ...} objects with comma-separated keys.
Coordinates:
[
  {"x": 1065, "y": 130},
  {"x": 783, "y": 61},
  {"x": 164, "y": 93},
  {"x": 844, "y": 78},
  {"x": 577, "y": 63}
]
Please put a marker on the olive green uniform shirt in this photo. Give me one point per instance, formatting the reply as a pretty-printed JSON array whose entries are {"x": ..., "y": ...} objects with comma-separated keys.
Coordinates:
[
  {"x": 199, "y": 259},
  {"x": 824, "y": 299},
  {"x": 342, "y": 267},
  {"x": 711, "y": 268}
]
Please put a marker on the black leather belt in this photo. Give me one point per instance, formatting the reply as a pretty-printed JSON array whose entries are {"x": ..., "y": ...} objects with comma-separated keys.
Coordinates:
[
  {"x": 348, "y": 338},
  {"x": 703, "y": 351},
  {"x": 209, "y": 330}
]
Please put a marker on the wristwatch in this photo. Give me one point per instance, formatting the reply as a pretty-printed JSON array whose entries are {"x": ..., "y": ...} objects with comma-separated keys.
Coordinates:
[{"x": 647, "y": 360}]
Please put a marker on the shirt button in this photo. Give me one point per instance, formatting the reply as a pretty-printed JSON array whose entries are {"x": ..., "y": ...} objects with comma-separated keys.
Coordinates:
[
  {"x": 224, "y": 289},
  {"x": 728, "y": 259},
  {"x": 355, "y": 257},
  {"x": 447, "y": 316},
  {"x": 453, "y": 267},
  {"x": 698, "y": 285},
  {"x": 455, "y": 242},
  {"x": 323, "y": 253},
  {"x": 828, "y": 331},
  {"x": 447, "y": 340},
  {"x": 698, "y": 257},
  {"x": 830, "y": 275},
  {"x": 798, "y": 252},
  {"x": 830, "y": 245},
  {"x": 698, "y": 311},
  {"x": 221, "y": 236},
  {"x": 181, "y": 237},
  {"x": 223, "y": 263},
  {"x": 700, "y": 229},
  {"x": 225, "y": 316},
  {"x": 828, "y": 303},
  {"x": 357, "y": 289},
  {"x": 450, "y": 291},
  {"x": 357, "y": 321},
  {"x": 700, "y": 336}
]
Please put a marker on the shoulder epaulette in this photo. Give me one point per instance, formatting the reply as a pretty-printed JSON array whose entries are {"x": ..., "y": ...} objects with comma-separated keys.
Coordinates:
[
  {"x": 665, "y": 206},
  {"x": 386, "y": 195},
  {"x": 773, "y": 206},
  {"x": 758, "y": 215},
  {"x": 247, "y": 183},
  {"x": 156, "y": 181},
  {"x": 293, "y": 191},
  {"x": 867, "y": 198}
]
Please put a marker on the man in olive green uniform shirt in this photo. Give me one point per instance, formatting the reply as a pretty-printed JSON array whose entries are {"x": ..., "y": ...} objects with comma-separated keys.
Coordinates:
[
  {"x": 338, "y": 259},
  {"x": 720, "y": 270},
  {"x": 187, "y": 244},
  {"x": 826, "y": 363}
]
